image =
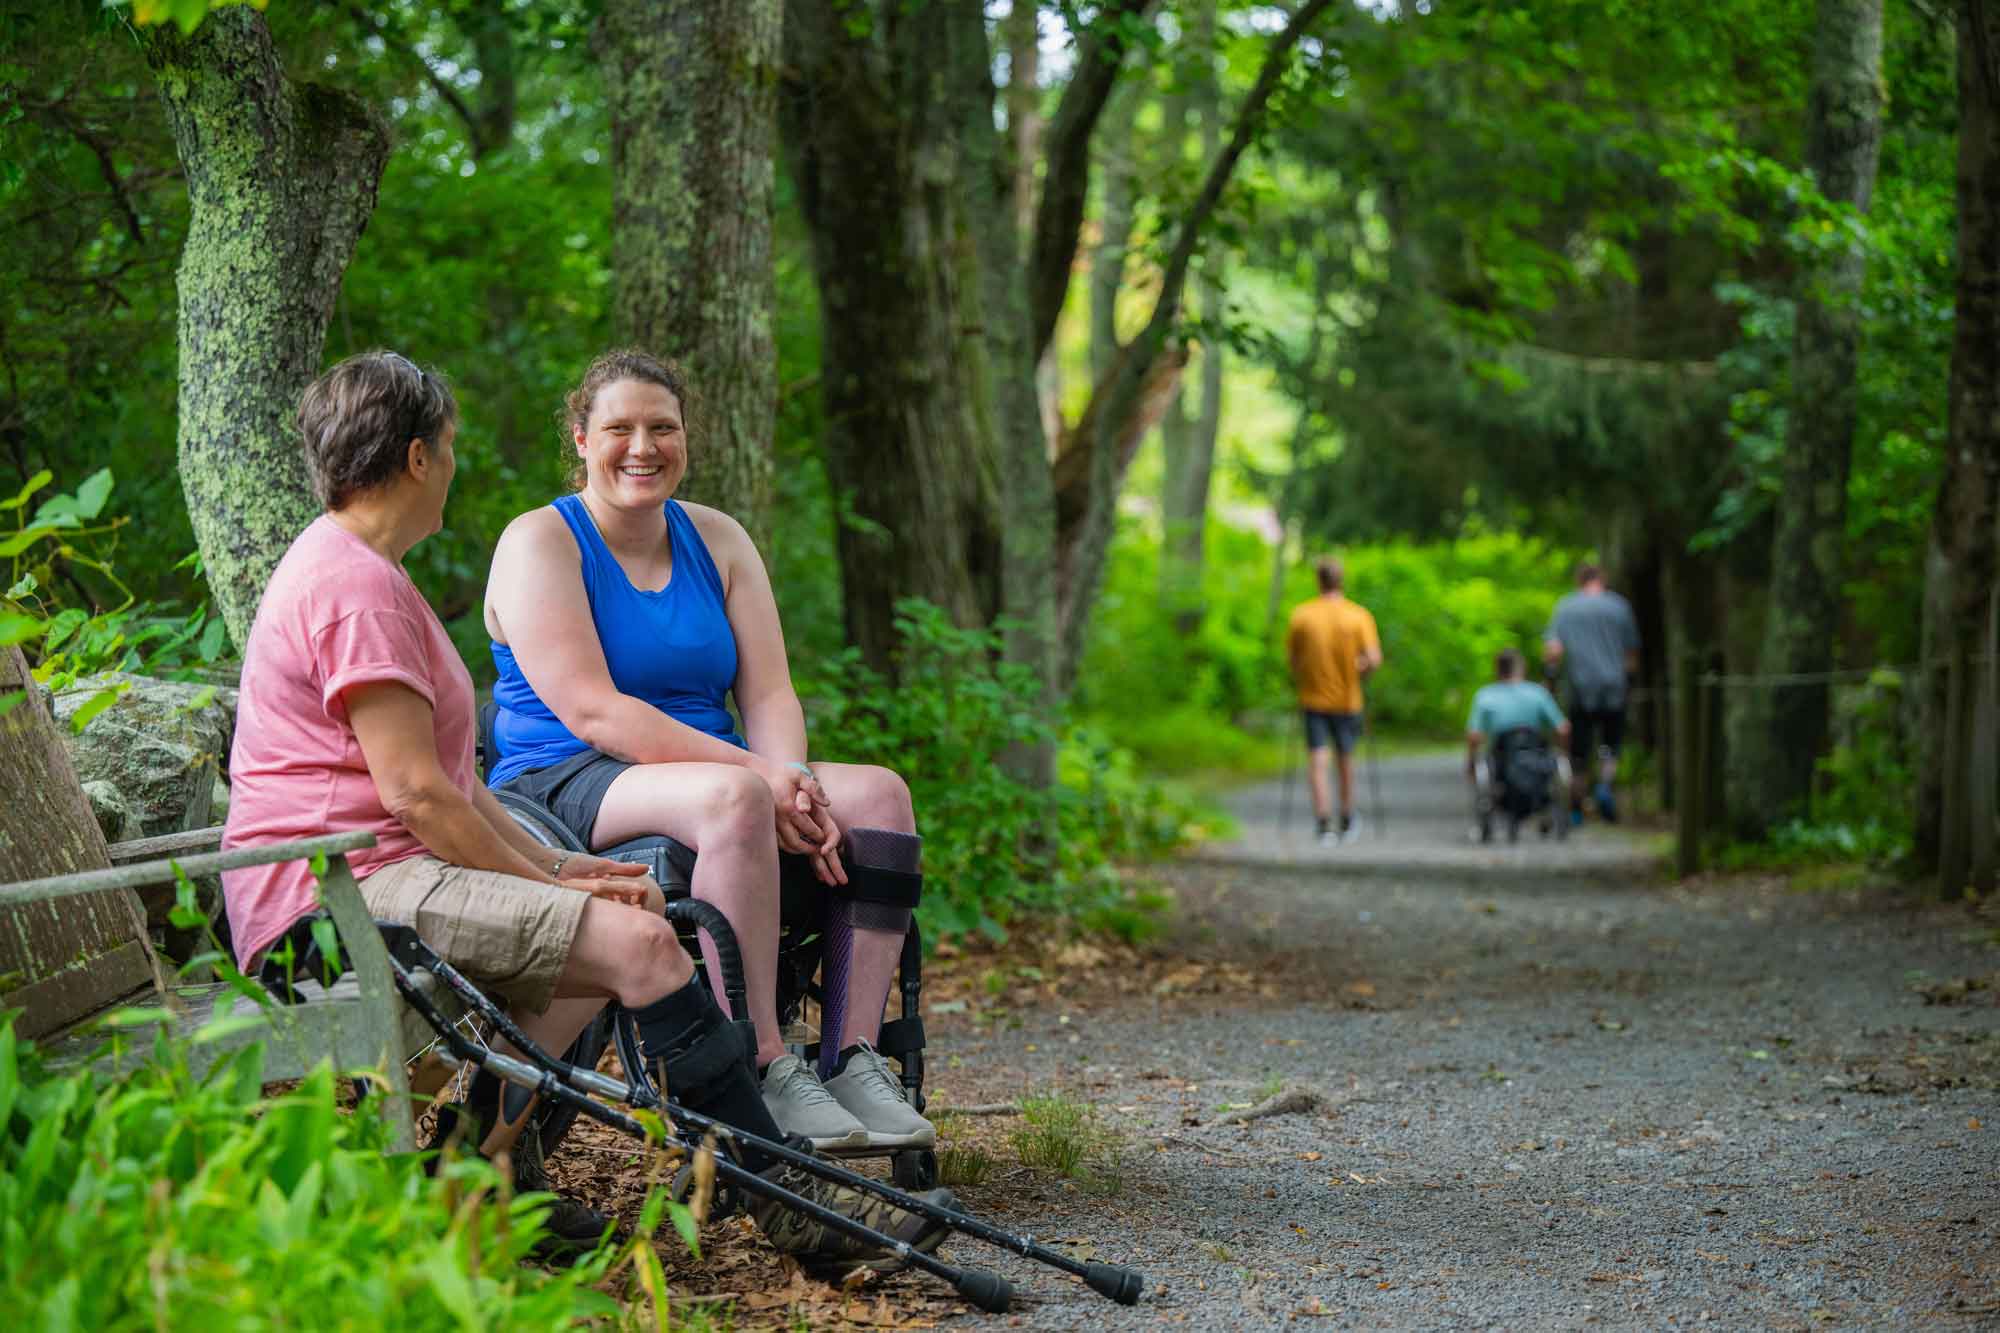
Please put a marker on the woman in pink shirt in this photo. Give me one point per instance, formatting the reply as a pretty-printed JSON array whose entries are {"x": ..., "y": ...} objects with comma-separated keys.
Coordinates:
[{"x": 356, "y": 713}]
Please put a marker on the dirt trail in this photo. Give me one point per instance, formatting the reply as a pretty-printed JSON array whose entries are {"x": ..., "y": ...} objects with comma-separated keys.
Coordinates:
[{"x": 1555, "y": 1091}]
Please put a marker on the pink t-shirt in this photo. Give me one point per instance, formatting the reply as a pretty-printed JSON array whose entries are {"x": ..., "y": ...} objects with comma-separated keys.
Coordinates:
[{"x": 335, "y": 615}]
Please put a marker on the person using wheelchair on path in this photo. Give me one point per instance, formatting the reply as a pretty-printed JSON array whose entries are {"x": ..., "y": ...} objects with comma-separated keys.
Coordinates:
[
  {"x": 1594, "y": 638},
  {"x": 622, "y": 621},
  {"x": 1508, "y": 758},
  {"x": 355, "y": 713},
  {"x": 1332, "y": 647}
]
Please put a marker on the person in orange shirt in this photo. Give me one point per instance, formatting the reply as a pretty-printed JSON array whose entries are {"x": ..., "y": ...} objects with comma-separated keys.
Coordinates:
[{"x": 1332, "y": 647}]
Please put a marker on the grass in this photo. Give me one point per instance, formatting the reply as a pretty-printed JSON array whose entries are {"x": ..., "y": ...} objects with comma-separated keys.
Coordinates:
[
  {"x": 1063, "y": 1135},
  {"x": 961, "y": 1162}
]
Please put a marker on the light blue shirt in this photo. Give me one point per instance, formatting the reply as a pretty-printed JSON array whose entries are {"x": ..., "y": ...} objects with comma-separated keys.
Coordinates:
[{"x": 1506, "y": 704}]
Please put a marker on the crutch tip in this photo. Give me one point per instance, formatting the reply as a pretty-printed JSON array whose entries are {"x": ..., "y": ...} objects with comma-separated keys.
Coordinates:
[
  {"x": 1119, "y": 1284},
  {"x": 985, "y": 1291}
]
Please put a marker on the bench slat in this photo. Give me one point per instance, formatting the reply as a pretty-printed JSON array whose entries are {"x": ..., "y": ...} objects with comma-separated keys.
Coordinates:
[
  {"x": 194, "y": 867},
  {"x": 192, "y": 842}
]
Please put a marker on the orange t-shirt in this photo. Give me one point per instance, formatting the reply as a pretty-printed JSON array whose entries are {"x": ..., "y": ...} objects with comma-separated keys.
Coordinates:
[{"x": 1327, "y": 635}]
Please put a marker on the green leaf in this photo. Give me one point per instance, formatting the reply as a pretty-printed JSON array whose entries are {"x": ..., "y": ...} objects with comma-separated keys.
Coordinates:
[
  {"x": 22, "y": 496},
  {"x": 29, "y": 535},
  {"x": 23, "y": 586},
  {"x": 213, "y": 640},
  {"x": 92, "y": 706},
  {"x": 328, "y": 940},
  {"x": 217, "y": 1029},
  {"x": 19, "y": 627},
  {"x": 684, "y": 1224},
  {"x": 90, "y": 496},
  {"x": 10, "y": 699}
]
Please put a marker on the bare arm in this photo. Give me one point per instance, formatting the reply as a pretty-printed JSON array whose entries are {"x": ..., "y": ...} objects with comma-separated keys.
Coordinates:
[{"x": 394, "y": 726}]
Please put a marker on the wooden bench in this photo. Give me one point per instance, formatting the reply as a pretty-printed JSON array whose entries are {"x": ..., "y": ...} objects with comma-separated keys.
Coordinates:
[{"x": 358, "y": 1024}]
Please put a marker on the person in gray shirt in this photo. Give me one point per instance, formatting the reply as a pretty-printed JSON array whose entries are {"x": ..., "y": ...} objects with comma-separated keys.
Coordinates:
[{"x": 1593, "y": 634}]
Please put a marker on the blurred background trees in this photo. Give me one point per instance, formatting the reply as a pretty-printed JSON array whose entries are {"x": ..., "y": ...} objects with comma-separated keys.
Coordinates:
[{"x": 1087, "y": 323}]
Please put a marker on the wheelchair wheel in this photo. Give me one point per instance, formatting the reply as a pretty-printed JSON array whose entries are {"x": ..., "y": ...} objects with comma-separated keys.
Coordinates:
[
  {"x": 553, "y": 1119},
  {"x": 914, "y": 1169}
]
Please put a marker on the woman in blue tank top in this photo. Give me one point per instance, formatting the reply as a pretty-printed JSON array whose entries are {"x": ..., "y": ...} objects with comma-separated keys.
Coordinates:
[{"x": 623, "y": 621}]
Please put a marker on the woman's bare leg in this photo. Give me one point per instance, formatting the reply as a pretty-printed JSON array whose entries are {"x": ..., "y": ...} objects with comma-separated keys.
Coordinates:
[
  {"x": 867, "y": 796},
  {"x": 725, "y": 814}
]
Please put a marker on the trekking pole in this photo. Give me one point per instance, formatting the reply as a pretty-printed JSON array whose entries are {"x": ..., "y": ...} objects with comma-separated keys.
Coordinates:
[
  {"x": 1291, "y": 771},
  {"x": 547, "y": 1074},
  {"x": 1374, "y": 772},
  {"x": 985, "y": 1290}
]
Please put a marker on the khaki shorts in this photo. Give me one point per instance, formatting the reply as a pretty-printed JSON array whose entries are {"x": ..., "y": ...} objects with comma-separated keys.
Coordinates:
[{"x": 510, "y": 935}]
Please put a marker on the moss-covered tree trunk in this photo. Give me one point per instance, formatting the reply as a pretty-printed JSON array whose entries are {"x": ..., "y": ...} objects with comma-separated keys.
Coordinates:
[
  {"x": 281, "y": 180},
  {"x": 693, "y": 92},
  {"x": 1964, "y": 565},
  {"x": 910, "y": 453},
  {"x": 1784, "y": 726}
]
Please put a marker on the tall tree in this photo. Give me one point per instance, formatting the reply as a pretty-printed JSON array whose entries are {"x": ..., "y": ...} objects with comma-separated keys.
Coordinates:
[
  {"x": 1781, "y": 730},
  {"x": 693, "y": 92},
  {"x": 1963, "y": 568},
  {"x": 281, "y": 179},
  {"x": 1190, "y": 433}
]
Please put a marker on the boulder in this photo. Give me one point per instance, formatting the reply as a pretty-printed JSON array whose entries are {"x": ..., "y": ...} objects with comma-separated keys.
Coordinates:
[
  {"x": 114, "y": 813},
  {"x": 162, "y": 746}
]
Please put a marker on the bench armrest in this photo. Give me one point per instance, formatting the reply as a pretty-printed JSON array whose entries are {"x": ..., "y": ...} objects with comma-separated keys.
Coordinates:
[
  {"x": 194, "y": 842},
  {"x": 194, "y": 867}
]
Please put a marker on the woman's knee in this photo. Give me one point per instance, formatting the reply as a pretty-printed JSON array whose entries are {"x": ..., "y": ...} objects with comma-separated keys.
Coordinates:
[
  {"x": 881, "y": 799},
  {"x": 648, "y": 960},
  {"x": 737, "y": 800}
]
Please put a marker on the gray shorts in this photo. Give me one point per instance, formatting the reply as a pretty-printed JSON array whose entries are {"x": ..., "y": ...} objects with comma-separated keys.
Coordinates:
[
  {"x": 510, "y": 935},
  {"x": 1340, "y": 730}
]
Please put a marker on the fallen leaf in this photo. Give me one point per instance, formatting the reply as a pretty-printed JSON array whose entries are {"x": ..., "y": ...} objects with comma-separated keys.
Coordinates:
[
  {"x": 1362, "y": 988},
  {"x": 1314, "y": 1157}
]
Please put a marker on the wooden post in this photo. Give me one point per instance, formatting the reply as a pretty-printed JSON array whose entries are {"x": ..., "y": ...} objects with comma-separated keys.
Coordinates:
[
  {"x": 1688, "y": 733},
  {"x": 1982, "y": 855},
  {"x": 1954, "y": 821},
  {"x": 1667, "y": 741}
]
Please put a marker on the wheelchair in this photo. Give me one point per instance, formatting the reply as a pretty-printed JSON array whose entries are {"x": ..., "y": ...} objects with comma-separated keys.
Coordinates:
[
  {"x": 1520, "y": 777},
  {"x": 800, "y": 940}
]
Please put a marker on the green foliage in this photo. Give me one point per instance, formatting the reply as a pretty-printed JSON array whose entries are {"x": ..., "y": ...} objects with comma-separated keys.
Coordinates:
[
  {"x": 1065, "y": 1136},
  {"x": 1187, "y": 702},
  {"x": 1860, "y": 809},
  {"x": 166, "y": 1200},
  {"x": 994, "y": 848},
  {"x": 58, "y": 560}
]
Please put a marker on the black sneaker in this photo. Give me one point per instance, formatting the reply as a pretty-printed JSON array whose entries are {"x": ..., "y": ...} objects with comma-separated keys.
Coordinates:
[
  {"x": 574, "y": 1228},
  {"x": 821, "y": 1249}
]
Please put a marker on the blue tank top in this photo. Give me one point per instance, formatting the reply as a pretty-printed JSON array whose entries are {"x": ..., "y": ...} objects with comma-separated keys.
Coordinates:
[{"x": 673, "y": 648}]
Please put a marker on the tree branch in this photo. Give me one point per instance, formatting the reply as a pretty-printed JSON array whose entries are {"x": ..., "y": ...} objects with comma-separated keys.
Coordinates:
[
  {"x": 1066, "y": 158},
  {"x": 444, "y": 90}
]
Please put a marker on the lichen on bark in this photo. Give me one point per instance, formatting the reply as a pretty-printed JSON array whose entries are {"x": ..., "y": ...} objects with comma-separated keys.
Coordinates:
[{"x": 281, "y": 181}]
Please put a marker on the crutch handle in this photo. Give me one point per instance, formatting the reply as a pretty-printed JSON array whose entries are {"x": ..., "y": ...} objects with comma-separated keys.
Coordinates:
[{"x": 1120, "y": 1284}]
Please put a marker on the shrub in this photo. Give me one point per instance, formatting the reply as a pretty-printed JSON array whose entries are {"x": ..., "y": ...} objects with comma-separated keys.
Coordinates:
[
  {"x": 165, "y": 1200},
  {"x": 994, "y": 847}
]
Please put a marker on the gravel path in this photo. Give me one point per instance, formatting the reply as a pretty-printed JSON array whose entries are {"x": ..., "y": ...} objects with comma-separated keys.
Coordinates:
[{"x": 1554, "y": 1091}]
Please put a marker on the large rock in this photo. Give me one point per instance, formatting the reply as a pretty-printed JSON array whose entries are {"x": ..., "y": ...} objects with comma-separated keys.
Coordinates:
[{"x": 162, "y": 746}]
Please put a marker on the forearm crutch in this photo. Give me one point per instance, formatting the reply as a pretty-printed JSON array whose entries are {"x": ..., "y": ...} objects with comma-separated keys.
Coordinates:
[{"x": 552, "y": 1077}]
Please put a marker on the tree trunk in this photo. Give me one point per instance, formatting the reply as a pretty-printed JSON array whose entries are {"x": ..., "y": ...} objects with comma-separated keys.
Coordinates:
[
  {"x": 693, "y": 93},
  {"x": 910, "y": 453},
  {"x": 1114, "y": 232},
  {"x": 1963, "y": 564},
  {"x": 1023, "y": 34},
  {"x": 62, "y": 960},
  {"x": 1190, "y": 436},
  {"x": 1785, "y": 725},
  {"x": 1118, "y": 403},
  {"x": 281, "y": 179}
]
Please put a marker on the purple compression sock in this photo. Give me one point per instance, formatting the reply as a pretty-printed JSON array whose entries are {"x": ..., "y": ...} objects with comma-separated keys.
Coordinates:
[{"x": 867, "y": 850}]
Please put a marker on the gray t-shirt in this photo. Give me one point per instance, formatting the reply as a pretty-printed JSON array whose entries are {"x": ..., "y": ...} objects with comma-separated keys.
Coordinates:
[{"x": 1596, "y": 630}]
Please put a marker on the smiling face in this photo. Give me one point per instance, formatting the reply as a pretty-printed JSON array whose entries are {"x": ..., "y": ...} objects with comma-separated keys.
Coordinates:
[{"x": 634, "y": 449}]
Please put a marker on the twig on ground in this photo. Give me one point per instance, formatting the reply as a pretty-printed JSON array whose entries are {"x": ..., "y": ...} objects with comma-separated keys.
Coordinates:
[
  {"x": 978, "y": 1108},
  {"x": 1294, "y": 1100}
]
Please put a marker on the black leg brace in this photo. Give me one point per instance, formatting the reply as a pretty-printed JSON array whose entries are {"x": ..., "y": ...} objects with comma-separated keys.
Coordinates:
[
  {"x": 884, "y": 886},
  {"x": 696, "y": 1056}
]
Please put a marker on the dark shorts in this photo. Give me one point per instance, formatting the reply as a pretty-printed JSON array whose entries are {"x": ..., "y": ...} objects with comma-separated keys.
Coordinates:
[
  {"x": 1590, "y": 728},
  {"x": 1340, "y": 730},
  {"x": 572, "y": 790}
]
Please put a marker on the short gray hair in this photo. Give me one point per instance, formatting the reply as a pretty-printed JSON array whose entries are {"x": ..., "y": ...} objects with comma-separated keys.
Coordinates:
[{"x": 357, "y": 420}]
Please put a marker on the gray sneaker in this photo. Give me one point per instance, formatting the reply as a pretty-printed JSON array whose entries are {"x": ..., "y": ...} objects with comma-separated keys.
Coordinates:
[
  {"x": 801, "y": 1105},
  {"x": 873, "y": 1096}
]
